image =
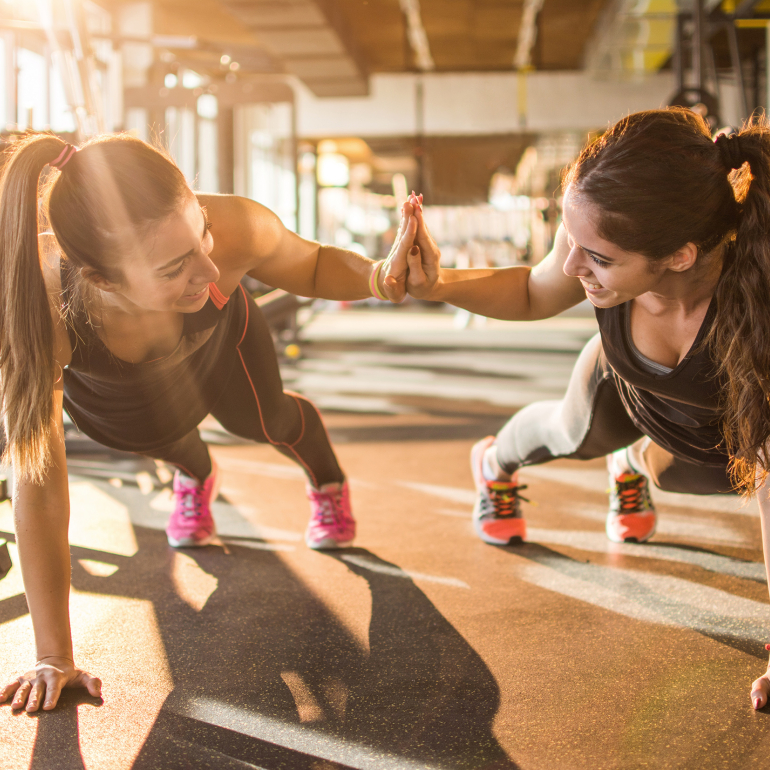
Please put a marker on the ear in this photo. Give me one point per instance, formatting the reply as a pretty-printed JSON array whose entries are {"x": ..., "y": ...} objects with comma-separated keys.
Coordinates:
[
  {"x": 96, "y": 279},
  {"x": 683, "y": 259}
]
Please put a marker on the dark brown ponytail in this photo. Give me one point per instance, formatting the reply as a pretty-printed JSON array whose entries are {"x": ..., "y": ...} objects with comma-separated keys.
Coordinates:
[
  {"x": 99, "y": 206},
  {"x": 740, "y": 338},
  {"x": 658, "y": 182}
]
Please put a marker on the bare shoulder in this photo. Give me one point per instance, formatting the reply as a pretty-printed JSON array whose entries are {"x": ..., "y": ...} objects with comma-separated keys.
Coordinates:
[
  {"x": 50, "y": 264},
  {"x": 242, "y": 228}
]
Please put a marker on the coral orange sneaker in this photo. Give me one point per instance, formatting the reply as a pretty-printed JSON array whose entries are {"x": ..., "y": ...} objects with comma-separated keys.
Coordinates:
[
  {"x": 497, "y": 515},
  {"x": 191, "y": 525},
  {"x": 331, "y": 523},
  {"x": 632, "y": 517}
]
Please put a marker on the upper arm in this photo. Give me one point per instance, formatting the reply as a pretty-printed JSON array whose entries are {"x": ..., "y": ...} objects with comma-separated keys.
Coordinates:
[
  {"x": 550, "y": 290},
  {"x": 251, "y": 239},
  {"x": 50, "y": 265}
]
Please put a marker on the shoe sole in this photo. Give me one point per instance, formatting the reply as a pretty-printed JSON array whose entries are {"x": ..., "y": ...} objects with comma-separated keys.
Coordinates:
[
  {"x": 517, "y": 533},
  {"x": 328, "y": 544},
  {"x": 187, "y": 542},
  {"x": 632, "y": 539},
  {"x": 518, "y": 527}
]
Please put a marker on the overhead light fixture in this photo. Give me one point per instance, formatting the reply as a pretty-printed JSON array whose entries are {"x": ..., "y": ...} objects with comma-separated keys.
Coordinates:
[{"x": 332, "y": 170}]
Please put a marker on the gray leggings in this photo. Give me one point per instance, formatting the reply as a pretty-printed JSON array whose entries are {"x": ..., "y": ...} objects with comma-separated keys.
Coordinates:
[{"x": 591, "y": 421}]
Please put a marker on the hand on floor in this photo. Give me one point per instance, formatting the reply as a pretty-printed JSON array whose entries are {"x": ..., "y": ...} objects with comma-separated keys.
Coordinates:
[
  {"x": 760, "y": 691},
  {"x": 43, "y": 685}
]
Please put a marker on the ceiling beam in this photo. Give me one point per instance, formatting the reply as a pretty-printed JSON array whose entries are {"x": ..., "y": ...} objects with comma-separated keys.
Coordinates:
[
  {"x": 418, "y": 38},
  {"x": 522, "y": 59}
]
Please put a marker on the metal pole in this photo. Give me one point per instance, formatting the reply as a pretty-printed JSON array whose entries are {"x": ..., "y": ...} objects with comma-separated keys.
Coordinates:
[
  {"x": 767, "y": 69},
  {"x": 697, "y": 44},
  {"x": 679, "y": 53},
  {"x": 735, "y": 57}
]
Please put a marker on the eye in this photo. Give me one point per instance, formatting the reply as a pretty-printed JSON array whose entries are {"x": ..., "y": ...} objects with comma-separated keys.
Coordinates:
[
  {"x": 596, "y": 259},
  {"x": 178, "y": 271}
]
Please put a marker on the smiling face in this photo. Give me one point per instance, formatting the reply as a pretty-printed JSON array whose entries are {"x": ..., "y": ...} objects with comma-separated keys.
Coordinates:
[
  {"x": 169, "y": 269},
  {"x": 610, "y": 275}
]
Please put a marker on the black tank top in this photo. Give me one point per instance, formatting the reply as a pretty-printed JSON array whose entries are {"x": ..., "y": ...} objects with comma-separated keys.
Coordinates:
[
  {"x": 678, "y": 410},
  {"x": 144, "y": 406}
]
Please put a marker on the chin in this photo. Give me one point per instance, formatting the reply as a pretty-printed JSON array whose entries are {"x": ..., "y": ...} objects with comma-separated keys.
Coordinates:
[{"x": 605, "y": 302}]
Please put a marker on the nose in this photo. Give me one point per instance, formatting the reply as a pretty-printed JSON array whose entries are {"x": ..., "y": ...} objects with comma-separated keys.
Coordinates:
[
  {"x": 206, "y": 272},
  {"x": 574, "y": 265}
]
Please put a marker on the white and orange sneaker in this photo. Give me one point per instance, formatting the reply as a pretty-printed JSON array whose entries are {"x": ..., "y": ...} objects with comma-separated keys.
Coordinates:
[
  {"x": 497, "y": 515},
  {"x": 632, "y": 517},
  {"x": 331, "y": 522},
  {"x": 191, "y": 525}
]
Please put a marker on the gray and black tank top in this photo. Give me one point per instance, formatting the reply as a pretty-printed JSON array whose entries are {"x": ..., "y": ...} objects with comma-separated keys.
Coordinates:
[{"x": 677, "y": 408}]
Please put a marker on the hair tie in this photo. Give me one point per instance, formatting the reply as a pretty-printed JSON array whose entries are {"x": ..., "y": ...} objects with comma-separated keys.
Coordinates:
[
  {"x": 730, "y": 150},
  {"x": 64, "y": 157}
]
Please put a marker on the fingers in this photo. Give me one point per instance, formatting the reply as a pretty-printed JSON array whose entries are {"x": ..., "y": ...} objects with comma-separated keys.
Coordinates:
[
  {"x": 760, "y": 691},
  {"x": 22, "y": 692},
  {"x": 52, "y": 693},
  {"x": 395, "y": 290},
  {"x": 91, "y": 683},
  {"x": 35, "y": 696},
  {"x": 414, "y": 259},
  {"x": 9, "y": 690}
]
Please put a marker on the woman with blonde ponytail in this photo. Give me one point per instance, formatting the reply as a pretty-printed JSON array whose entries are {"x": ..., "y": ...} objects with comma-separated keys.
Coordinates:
[
  {"x": 667, "y": 233},
  {"x": 129, "y": 313}
]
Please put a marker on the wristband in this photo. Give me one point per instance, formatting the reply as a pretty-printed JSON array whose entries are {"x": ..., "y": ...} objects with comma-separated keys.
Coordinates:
[{"x": 373, "y": 282}]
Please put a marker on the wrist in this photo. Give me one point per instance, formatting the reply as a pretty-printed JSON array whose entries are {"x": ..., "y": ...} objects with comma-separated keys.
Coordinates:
[
  {"x": 437, "y": 292},
  {"x": 50, "y": 658},
  {"x": 376, "y": 282}
]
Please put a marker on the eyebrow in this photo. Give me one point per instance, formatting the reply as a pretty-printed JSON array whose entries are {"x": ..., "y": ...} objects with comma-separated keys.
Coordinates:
[{"x": 187, "y": 254}]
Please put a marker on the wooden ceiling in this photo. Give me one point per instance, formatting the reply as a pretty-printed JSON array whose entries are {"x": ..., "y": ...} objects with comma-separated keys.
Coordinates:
[{"x": 463, "y": 35}]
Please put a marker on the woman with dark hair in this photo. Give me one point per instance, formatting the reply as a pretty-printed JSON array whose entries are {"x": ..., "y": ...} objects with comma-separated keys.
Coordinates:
[
  {"x": 668, "y": 235},
  {"x": 132, "y": 319}
]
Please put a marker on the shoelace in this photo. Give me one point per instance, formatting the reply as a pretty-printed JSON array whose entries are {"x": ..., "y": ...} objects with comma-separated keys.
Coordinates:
[
  {"x": 631, "y": 494},
  {"x": 190, "y": 501},
  {"x": 329, "y": 508},
  {"x": 505, "y": 501}
]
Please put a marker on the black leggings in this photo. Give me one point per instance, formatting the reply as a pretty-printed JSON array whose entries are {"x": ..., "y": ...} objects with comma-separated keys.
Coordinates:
[
  {"x": 255, "y": 406},
  {"x": 591, "y": 421}
]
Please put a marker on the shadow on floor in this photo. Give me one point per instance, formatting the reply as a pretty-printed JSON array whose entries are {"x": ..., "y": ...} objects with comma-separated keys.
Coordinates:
[
  {"x": 265, "y": 675},
  {"x": 645, "y": 594}
]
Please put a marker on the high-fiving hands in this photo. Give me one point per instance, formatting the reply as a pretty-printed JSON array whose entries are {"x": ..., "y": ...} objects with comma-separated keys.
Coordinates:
[{"x": 413, "y": 263}]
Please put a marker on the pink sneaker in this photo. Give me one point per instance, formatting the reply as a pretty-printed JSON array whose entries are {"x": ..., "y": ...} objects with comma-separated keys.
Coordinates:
[
  {"x": 331, "y": 524},
  {"x": 191, "y": 524}
]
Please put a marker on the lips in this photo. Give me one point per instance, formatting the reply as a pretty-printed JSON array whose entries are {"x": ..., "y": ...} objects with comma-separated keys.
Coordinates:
[
  {"x": 198, "y": 295},
  {"x": 590, "y": 286}
]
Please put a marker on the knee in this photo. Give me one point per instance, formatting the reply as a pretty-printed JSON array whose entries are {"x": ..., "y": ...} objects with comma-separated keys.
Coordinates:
[{"x": 285, "y": 424}]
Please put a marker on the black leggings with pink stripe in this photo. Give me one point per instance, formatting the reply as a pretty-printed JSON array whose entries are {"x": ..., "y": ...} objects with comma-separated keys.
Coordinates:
[{"x": 255, "y": 406}]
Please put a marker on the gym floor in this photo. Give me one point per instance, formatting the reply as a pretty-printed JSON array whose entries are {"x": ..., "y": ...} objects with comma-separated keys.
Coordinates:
[{"x": 421, "y": 647}]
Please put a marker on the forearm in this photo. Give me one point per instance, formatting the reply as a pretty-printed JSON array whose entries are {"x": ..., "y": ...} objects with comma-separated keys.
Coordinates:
[
  {"x": 342, "y": 275},
  {"x": 764, "y": 517},
  {"x": 42, "y": 521},
  {"x": 494, "y": 292}
]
